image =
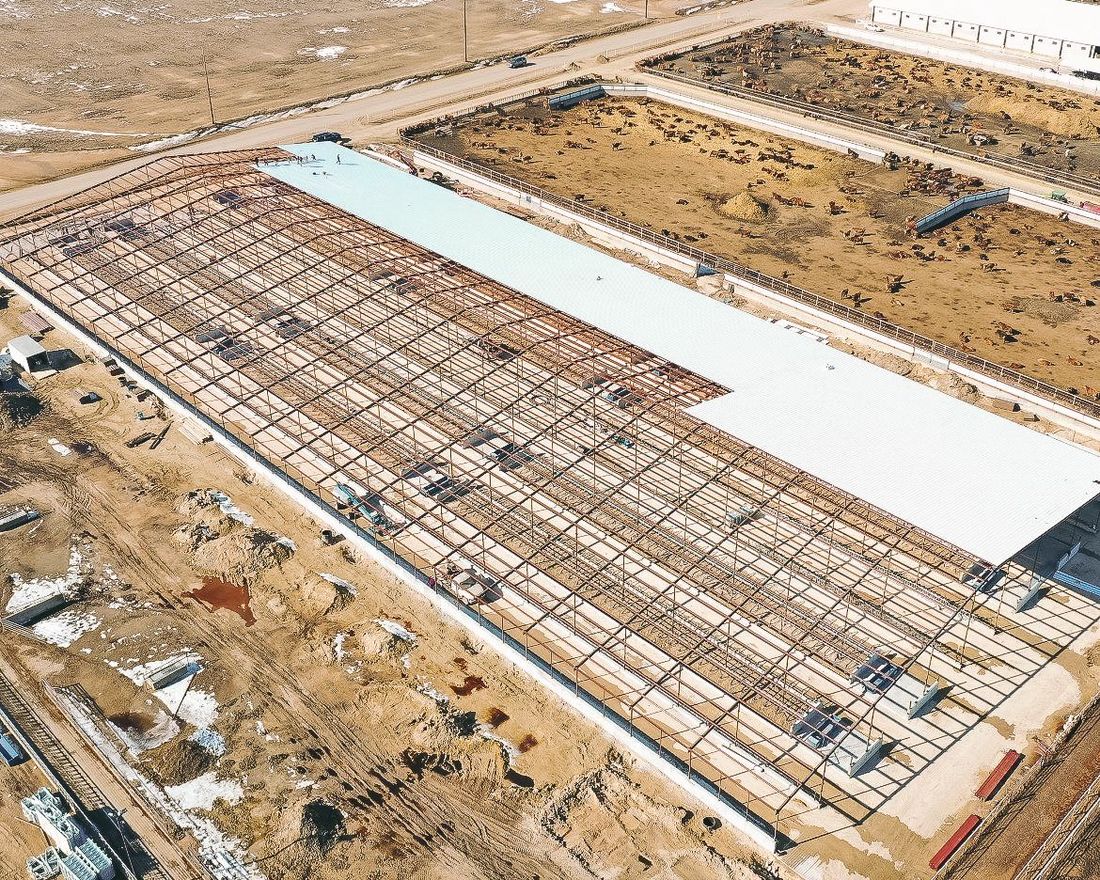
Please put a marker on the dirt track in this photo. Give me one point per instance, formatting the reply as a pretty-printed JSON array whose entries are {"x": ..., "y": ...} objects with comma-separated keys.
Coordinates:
[
  {"x": 1013, "y": 286},
  {"x": 443, "y": 760}
]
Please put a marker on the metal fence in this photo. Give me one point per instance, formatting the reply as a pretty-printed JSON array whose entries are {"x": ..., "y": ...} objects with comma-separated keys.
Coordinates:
[
  {"x": 929, "y": 347},
  {"x": 1066, "y": 179}
]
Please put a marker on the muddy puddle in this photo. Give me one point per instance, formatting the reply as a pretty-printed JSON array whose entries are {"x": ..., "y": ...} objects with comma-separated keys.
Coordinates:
[
  {"x": 469, "y": 684},
  {"x": 218, "y": 593}
]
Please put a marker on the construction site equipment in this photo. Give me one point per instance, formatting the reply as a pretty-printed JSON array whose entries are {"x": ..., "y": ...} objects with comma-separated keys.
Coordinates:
[
  {"x": 139, "y": 439},
  {"x": 29, "y": 354},
  {"x": 73, "y": 854},
  {"x": 10, "y": 751},
  {"x": 35, "y": 324},
  {"x": 999, "y": 774},
  {"x": 17, "y": 518},
  {"x": 954, "y": 842}
]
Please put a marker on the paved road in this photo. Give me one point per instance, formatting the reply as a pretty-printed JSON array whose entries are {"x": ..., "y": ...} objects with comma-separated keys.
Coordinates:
[{"x": 379, "y": 116}]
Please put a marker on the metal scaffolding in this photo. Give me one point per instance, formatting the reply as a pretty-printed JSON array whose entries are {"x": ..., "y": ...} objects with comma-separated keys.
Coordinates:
[{"x": 750, "y": 622}]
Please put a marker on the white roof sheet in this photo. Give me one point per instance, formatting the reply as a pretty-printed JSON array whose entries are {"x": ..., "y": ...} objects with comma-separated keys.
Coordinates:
[
  {"x": 1063, "y": 19},
  {"x": 25, "y": 346},
  {"x": 967, "y": 476}
]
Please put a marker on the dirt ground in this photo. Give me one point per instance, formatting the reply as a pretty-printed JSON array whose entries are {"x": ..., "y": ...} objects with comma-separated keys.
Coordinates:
[
  {"x": 338, "y": 725},
  {"x": 1044, "y": 796},
  {"x": 956, "y": 106},
  {"x": 83, "y": 82},
  {"x": 19, "y": 840},
  {"x": 1011, "y": 285}
]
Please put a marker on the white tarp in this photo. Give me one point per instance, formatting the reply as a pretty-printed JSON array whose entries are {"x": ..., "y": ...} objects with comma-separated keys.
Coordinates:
[{"x": 967, "y": 476}]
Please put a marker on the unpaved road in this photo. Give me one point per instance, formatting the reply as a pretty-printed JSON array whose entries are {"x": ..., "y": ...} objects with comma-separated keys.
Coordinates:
[{"x": 379, "y": 116}]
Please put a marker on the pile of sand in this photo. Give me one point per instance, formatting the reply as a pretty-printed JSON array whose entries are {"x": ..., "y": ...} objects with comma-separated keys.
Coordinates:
[
  {"x": 176, "y": 762},
  {"x": 743, "y": 206},
  {"x": 244, "y": 553},
  {"x": 1079, "y": 123}
]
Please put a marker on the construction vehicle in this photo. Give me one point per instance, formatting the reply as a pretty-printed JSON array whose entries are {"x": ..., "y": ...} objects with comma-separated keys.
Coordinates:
[{"x": 371, "y": 506}]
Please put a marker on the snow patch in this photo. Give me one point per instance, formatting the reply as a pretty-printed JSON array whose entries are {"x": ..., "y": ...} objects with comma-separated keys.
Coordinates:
[
  {"x": 25, "y": 593},
  {"x": 204, "y": 791},
  {"x": 210, "y": 740},
  {"x": 22, "y": 127},
  {"x": 340, "y": 582},
  {"x": 65, "y": 628},
  {"x": 396, "y": 629},
  {"x": 226, "y": 506}
]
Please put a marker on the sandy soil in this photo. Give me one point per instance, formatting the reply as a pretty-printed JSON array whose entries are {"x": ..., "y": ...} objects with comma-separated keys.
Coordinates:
[
  {"x": 1042, "y": 797},
  {"x": 114, "y": 75},
  {"x": 956, "y": 106},
  {"x": 18, "y": 839},
  {"x": 1010, "y": 285},
  {"x": 339, "y": 745}
]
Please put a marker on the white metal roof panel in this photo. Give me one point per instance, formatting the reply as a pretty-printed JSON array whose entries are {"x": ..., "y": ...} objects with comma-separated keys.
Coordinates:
[
  {"x": 965, "y": 475},
  {"x": 1063, "y": 19}
]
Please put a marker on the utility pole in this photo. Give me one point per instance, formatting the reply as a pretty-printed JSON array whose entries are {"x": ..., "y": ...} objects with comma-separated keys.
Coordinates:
[
  {"x": 647, "y": 10},
  {"x": 465, "y": 45},
  {"x": 209, "y": 94}
]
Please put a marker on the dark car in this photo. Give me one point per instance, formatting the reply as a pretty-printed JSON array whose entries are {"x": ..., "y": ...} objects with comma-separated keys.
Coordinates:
[{"x": 329, "y": 137}]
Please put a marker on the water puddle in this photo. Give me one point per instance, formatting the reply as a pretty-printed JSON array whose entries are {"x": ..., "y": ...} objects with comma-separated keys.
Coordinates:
[{"x": 219, "y": 593}]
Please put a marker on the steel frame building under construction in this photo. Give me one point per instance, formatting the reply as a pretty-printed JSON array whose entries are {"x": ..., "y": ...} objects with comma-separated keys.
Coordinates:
[{"x": 784, "y": 642}]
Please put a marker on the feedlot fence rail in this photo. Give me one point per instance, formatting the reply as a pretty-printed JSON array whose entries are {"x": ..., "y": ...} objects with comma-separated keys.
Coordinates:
[
  {"x": 850, "y": 120},
  {"x": 952, "y": 355}
]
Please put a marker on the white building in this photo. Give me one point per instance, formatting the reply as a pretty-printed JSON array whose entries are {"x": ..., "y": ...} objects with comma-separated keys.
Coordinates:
[
  {"x": 1066, "y": 31},
  {"x": 29, "y": 354},
  {"x": 73, "y": 855}
]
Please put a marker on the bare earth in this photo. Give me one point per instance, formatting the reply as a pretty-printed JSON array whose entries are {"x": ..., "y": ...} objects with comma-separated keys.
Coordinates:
[
  {"x": 440, "y": 759},
  {"x": 1011, "y": 285},
  {"x": 119, "y": 74},
  {"x": 956, "y": 106}
]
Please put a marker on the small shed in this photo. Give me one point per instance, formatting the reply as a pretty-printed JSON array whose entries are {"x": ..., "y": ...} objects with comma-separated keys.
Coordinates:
[{"x": 29, "y": 354}]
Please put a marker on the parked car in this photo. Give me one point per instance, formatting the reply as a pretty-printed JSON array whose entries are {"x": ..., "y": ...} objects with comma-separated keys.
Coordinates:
[{"x": 329, "y": 137}]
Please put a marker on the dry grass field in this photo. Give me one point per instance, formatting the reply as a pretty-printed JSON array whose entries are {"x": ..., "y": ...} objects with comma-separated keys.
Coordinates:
[
  {"x": 82, "y": 82},
  {"x": 956, "y": 106},
  {"x": 1009, "y": 284}
]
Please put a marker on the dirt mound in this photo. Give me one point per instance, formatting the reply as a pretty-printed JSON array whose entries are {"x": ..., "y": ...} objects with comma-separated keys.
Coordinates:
[
  {"x": 608, "y": 825},
  {"x": 244, "y": 553},
  {"x": 955, "y": 385},
  {"x": 194, "y": 536},
  {"x": 743, "y": 206},
  {"x": 1067, "y": 121},
  {"x": 176, "y": 762}
]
